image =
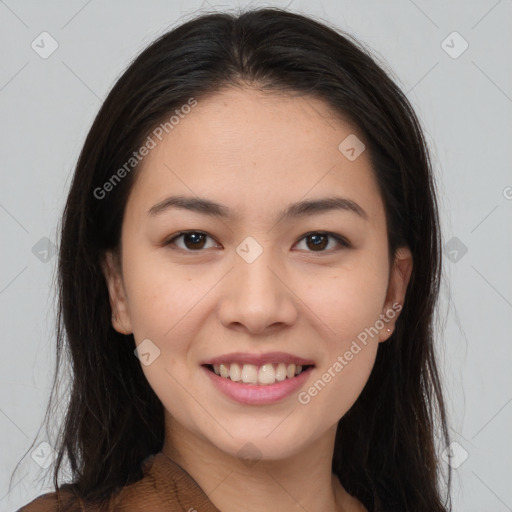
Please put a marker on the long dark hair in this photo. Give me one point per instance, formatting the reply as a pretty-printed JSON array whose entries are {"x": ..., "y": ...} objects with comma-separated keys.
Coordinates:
[{"x": 385, "y": 451}]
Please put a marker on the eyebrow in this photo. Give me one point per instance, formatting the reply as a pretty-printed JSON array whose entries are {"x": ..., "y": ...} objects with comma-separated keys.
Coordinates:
[{"x": 301, "y": 209}]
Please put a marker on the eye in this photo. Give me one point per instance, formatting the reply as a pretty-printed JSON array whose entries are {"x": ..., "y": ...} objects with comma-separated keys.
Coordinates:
[
  {"x": 319, "y": 240},
  {"x": 316, "y": 241},
  {"x": 194, "y": 241}
]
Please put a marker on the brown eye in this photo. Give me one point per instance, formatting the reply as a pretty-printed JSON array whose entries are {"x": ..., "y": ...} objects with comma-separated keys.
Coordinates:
[
  {"x": 318, "y": 241},
  {"x": 192, "y": 240}
]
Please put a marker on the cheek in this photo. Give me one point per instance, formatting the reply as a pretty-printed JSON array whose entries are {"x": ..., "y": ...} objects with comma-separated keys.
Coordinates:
[
  {"x": 348, "y": 301},
  {"x": 163, "y": 308},
  {"x": 349, "y": 305},
  {"x": 160, "y": 295},
  {"x": 168, "y": 305},
  {"x": 336, "y": 387}
]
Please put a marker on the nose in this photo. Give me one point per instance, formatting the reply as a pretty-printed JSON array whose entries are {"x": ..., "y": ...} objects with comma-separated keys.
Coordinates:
[{"x": 258, "y": 297}]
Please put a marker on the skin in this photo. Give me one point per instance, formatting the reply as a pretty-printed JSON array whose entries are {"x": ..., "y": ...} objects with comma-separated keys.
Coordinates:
[{"x": 256, "y": 153}]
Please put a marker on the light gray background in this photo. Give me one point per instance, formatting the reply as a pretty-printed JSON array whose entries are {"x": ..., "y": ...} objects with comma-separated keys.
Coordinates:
[{"x": 465, "y": 104}]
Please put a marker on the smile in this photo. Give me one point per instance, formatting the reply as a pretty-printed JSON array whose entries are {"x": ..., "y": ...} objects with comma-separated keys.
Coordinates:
[
  {"x": 258, "y": 379},
  {"x": 263, "y": 375}
]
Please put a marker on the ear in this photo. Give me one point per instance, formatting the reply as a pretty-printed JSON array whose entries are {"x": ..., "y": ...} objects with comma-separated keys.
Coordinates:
[
  {"x": 397, "y": 287},
  {"x": 118, "y": 302}
]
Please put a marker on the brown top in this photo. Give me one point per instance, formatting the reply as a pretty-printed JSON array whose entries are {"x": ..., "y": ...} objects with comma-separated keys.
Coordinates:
[{"x": 165, "y": 487}]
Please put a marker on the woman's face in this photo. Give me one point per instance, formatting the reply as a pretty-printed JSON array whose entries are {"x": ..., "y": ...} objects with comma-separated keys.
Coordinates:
[{"x": 252, "y": 293}]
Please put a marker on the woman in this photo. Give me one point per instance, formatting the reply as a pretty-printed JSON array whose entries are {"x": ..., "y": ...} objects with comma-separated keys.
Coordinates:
[{"x": 249, "y": 267}]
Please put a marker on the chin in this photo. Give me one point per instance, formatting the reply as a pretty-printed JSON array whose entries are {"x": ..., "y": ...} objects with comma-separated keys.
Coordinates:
[{"x": 279, "y": 441}]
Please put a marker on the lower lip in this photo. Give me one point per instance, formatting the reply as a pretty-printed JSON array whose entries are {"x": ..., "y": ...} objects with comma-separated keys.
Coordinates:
[{"x": 252, "y": 394}]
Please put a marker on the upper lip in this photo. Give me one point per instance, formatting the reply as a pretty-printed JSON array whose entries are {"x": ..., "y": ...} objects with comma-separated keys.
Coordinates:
[{"x": 259, "y": 359}]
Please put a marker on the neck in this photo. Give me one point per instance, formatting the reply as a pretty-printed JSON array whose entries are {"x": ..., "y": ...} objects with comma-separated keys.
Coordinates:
[{"x": 303, "y": 481}]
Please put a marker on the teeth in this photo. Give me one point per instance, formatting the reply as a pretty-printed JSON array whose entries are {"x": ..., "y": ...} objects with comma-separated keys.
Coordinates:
[
  {"x": 267, "y": 373},
  {"x": 250, "y": 374},
  {"x": 224, "y": 370},
  {"x": 235, "y": 373},
  {"x": 281, "y": 372}
]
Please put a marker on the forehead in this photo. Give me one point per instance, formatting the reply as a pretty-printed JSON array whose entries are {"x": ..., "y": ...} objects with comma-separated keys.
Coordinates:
[{"x": 249, "y": 149}]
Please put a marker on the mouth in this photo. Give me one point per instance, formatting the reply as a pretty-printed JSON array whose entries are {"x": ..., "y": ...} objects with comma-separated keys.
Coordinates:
[
  {"x": 265, "y": 374},
  {"x": 258, "y": 379}
]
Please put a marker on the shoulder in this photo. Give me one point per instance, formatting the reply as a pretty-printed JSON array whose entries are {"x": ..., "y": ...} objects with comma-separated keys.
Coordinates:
[
  {"x": 59, "y": 501},
  {"x": 164, "y": 486},
  {"x": 65, "y": 500}
]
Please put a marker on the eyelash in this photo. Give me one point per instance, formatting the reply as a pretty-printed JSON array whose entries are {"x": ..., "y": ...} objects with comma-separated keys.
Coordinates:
[{"x": 341, "y": 241}]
